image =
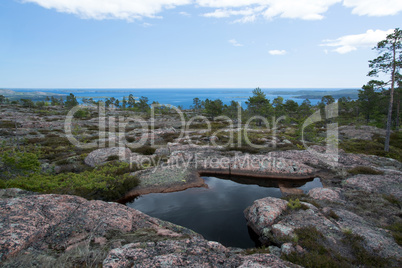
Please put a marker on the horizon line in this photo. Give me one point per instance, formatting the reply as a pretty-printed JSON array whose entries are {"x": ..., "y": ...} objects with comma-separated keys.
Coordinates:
[{"x": 50, "y": 88}]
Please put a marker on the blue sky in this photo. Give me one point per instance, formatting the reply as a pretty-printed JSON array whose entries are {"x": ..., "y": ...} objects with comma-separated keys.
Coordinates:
[{"x": 191, "y": 43}]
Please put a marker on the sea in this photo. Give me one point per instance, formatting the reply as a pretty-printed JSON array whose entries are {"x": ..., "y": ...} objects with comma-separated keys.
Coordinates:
[{"x": 178, "y": 97}]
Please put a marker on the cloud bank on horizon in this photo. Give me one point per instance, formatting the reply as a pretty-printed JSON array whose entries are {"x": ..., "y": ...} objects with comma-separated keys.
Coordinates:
[{"x": 245, "y": 11}]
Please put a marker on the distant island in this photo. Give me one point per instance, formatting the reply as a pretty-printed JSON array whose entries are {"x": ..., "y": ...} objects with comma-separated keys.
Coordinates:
[
  {"x": 317, "y": 94},
  {"x": 34, "y": 95}
]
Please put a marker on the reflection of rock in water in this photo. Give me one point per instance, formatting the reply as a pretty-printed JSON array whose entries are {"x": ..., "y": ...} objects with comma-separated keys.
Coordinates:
[
  {"x": 265, "y": 182},
  {"x": 289, "y": 190},
  {"x": 287, "y": 187}
]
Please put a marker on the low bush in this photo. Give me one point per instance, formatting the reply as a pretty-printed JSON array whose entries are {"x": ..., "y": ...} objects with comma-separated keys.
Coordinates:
[
  {"x": 7, "y": 124},
  {"x": 364, "y": 170},
  {"x": 396, "y": 230},
  {"x": 333, "y": 215},
  {"x": 108, "y": 182},
  {"x": 15, "y": 163},
  {"x": 296, "y": 205},
  {"x": 373, "y": 147},
  {"x": 82, "y": 113},
  {"x": 145, "y": 150},
  {"x": 392, "y": 199},
  {"x": 112, "y": 157},
  {"x": 316, "y": 255},
  {"x": 243, "y": 149},
  {"x": 170, "y": 137},
  {"x": 361, "y": 255}
]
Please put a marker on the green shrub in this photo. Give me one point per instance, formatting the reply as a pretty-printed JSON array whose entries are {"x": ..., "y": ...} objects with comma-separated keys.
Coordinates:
[
  {"x": 14, "y": 163},
  {"x": 170, "y": 137},
  {"x": 333, "y": 215},
  {"x": 296, "y": 205},
  {"x": 112, "y": 157},
  {"x": 396, "y": 230},
  {"x": 373, "y": 147},
  {"x": 108, "y": 182},
  {"x": 81, "y": 113},
  {"x": 130, "y": 139},
  {"x": 243, "y": 149},
  {"x": 364, "y": 170},
  {"x": 361, "y": 255},
  {"x": 145, "y": 150},
  {"x": 7, "y": 124},
  {"x": 392, "y": 199},
  {"x": 316, "y": 255}
]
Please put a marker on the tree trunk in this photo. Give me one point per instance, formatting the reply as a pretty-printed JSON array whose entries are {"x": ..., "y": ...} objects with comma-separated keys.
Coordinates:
[
  {"x": 391, "y": 101},
  {"x": 398, "y": 103}
]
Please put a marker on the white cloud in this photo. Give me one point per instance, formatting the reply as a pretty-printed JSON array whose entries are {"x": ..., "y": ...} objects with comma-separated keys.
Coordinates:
[
  {"x": 146, "y": 24},
  {"x": 244, "y": 10},
  {"x": 106, "y": 9},
  {"x": 269, "y": 9},
  {"x": 349, "y": 43},
  {"x": 183, "y": 13},
  {"x": 277, "y": 52},
  {"x": 374, "y": 7},
  {"x": 235, "y": 43}
]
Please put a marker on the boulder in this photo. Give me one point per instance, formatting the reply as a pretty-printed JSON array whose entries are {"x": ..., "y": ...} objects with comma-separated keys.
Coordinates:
[
  {"x": 61, "y": 222},
  {"x": 262, "y": 214},
  {"x": 381, "y": 184},
  {"x": 187, "y": 253},
  {"x": 376, "y": 239},
  {"x": 329, "y": 194},
  {"x": 361, "y": 132},
  {"x": 100, "y": 156}
]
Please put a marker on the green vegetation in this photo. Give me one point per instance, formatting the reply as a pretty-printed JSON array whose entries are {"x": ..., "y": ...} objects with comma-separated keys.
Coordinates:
[
  {"x": 295, "y": 205},
  {"x": 71, "y": 101},
  {"x": 364, "y": 170},
  {"x": 392, "y": 199},
  {"x": 14, "y": 163},
  {"x": 108, "y": 182},
  {"x": 260, "y": 250},
  {"x": 145, "y": 150},
  {"x": 259, "y": 105},
  {"x": 333, "y": 215},
  {"x": 317, "y": 255},
  {"x": 82, "y": 113},
  {"x": 374, "y": 147},
  {"x": 396, "y": 229},
  {"x": 389, "y": 62},
  {"x": 360, "y": 254}
]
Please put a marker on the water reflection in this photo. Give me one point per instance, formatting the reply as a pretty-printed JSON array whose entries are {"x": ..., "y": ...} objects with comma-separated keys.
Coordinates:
[{"x": 216, "y": 212}]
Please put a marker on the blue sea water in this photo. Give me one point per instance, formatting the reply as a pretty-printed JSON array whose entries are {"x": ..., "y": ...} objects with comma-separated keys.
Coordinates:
[{"x": 176, "y": 97}]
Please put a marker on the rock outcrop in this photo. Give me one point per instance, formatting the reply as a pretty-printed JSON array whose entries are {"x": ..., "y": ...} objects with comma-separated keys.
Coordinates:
[
  {"x": 101, "y": 156},
  {"x": 69, "y": 231},
  {"x": 187, "y": 253},
  {"x": 361, "y": 132},
  {"x": 262, "y": 214},
  {"x": 381, "y": 184},
  {"x": 62, "y": 222},
  {"x": 332, "y": 217}
]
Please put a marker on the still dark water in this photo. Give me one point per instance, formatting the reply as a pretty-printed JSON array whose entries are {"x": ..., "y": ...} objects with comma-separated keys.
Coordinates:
[{"x": 216, "y": 212}]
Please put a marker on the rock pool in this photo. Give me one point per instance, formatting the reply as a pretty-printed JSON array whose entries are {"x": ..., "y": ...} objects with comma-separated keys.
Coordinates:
[{"x": 216, "y": 212}]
